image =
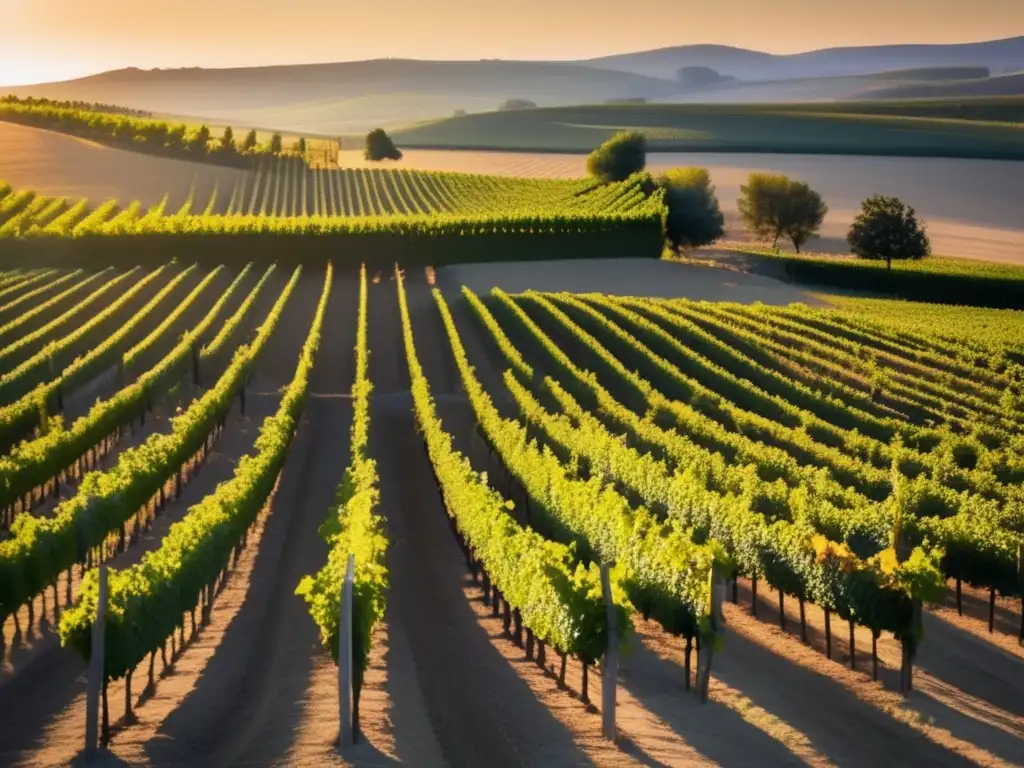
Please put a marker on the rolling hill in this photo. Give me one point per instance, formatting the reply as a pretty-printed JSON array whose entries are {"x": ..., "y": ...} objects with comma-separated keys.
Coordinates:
[
  {"x": 875, "y": 128},
  {"x": 902, "y": 83},
  {"x": 350, "y": 95},
  {"x": 1000, "y": 56}
]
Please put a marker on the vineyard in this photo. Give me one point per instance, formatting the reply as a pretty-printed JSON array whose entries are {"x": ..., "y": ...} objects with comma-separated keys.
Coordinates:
[
  {"x": 287, "y": 187},
  {"x": 386, "y": 215},
  {"x": 744, "y": 499}
]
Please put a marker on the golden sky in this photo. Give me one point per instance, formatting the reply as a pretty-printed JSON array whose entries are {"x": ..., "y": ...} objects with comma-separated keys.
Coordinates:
[{"x": 44, "y": 40}]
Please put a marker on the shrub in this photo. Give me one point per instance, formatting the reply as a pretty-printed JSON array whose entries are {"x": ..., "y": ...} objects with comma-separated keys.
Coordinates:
[
  {"x": 379, "y": 146},
  {"x": 511, "y": 105},
  {"x": 773, "y": 206},
  {"x": 886, "y": 228},
  {"x": 618, "y": 158},
  {"x": 694, "y": 216}
]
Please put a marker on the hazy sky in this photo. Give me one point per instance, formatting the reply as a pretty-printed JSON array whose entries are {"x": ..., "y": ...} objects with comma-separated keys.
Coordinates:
[{"x": 53, "y": 39}]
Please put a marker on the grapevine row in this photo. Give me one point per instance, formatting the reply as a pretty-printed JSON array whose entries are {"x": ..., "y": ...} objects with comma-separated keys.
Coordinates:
[
  {"x": 148, "y": 601},
  {"x": 663, "y": 572},
  {"x": 41, "y": 548},
  {"x": 353, "y": 527},
  {"x": 558, "y": 599},
  {"x": 781, "y": 547},
  {"x": 19, "y": 349},
  {"x": 980, "y": 546}
]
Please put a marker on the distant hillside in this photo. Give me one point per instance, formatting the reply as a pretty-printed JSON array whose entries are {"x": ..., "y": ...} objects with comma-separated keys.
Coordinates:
[
  {"x": 875, "y": 128},
  {"x": 400, "y": 90},
  {"x": 351, "y": 97},
  {"x": 903, "y": 83},
  {"x": 1000, "y": 56},
  {"x": 1005, "y": 85}
]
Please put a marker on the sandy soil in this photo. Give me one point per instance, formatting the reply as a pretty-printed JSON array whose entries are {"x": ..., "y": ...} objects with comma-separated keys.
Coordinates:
[
  {"x": 627, "y": 277},
  {"x": 60, "y": 165},
  {"x": 970, "y": 207}
]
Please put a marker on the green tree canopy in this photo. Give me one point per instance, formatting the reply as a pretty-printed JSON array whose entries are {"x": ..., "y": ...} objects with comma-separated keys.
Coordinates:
[
  {"x": 694, "y": 216},
  {"x": 199, "y": 138},
  {"x": 250, "y": 142},
  {"x": 887, "y": 228},
  {"x": 511, "y": 105},
  {"x": 774, "y": 206},
  {"x": 176, "y": 136},
  {"x": 618, "y": 158},
  {"x": 379, "y": 146},
  {"x": 227, "y": 141},
  {"x": 276, "y": 144}
]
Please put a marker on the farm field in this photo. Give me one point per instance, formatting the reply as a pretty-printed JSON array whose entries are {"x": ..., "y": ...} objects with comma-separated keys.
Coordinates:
[
  {"x": 883, "y": 129},
  {"x": 969, "y": 206},
  {"x": 777, "y": 447}
]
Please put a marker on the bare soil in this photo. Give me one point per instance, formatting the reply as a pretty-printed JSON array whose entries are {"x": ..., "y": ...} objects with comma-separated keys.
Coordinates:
[
  {"x": 626, "y": 277},
  {"x": 57, "y": 164}
]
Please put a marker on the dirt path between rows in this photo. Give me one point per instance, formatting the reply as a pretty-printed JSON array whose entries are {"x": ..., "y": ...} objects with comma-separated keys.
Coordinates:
[{"x": 481, "y": 709}]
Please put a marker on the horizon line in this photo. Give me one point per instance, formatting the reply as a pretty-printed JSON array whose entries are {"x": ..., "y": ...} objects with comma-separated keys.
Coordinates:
[{"x": 531, "y": 60}]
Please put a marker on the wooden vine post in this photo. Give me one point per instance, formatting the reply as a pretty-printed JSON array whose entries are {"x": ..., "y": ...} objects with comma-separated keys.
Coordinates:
[
  {"x": 909, "y": 651},
  {"x": 706, "y": 650},
  {"x": 1020, "y": 582},
  {"x": 610, "y": 667},
  {"x": 96, "y": 670},
  {"x": 195, "y": 363},
  {"x": 346, "y": 733}
]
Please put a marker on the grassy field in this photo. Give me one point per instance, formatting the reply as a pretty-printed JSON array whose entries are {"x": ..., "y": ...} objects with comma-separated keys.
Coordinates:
[
  {"x": 904, "y": 128},
  {"x": 934, "y": 279}
]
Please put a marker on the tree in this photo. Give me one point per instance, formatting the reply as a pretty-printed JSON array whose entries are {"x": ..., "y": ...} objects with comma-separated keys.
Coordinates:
[
  {"x": 694, "y": 216},
  {"x": 773, "y": 205},
  {"x": 887, "y": 228},
  {"x": 511, "y": 105},
  {"x": 697, "y": 77},
  {"x": 300, "y": 146},
  {"x": 176, "y": 137},
  {"x": 250, "y": 142},
  {"x": 227, "y": 141},
  {"x": 199, "y": 138},
  {"x": 379, "y": 146},
  {"x": 276, "y": 144},
  {"x": 618, "y": 158}
]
